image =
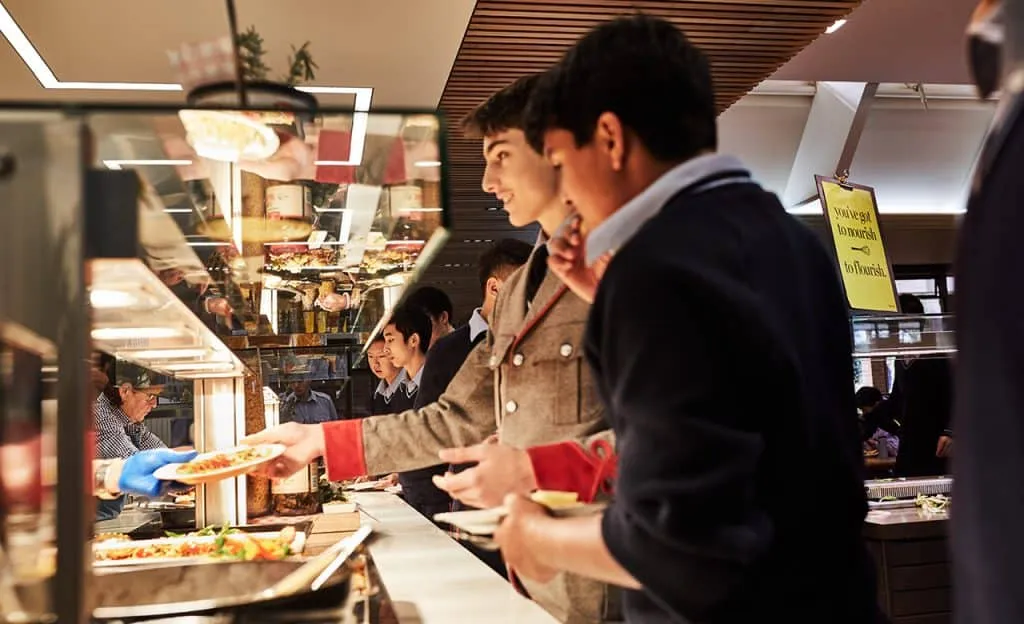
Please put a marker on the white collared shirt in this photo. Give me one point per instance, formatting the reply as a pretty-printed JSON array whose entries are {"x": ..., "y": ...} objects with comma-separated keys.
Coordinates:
[
  {"x": 477, "y": 325},
  {"x": 386, "y": 390},
  {"x": 617, "y": 229},
  {"x": 412, "y": 385}
]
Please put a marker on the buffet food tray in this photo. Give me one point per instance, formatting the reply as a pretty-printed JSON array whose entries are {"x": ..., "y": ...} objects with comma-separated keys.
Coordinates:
[{"x": 884, "y": 489}]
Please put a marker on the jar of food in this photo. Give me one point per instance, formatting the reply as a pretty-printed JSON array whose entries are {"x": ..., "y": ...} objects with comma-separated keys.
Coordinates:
[
  {"x": 299, "y": 494},
  {"x": 287, "y": 201}
]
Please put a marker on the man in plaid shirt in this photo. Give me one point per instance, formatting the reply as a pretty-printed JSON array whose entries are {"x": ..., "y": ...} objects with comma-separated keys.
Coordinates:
[
  {"x": 118, "y": 413},
  {"x": 120, "y": 431}
]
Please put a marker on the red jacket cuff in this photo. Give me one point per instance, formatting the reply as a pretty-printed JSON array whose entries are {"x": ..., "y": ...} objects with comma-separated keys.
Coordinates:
[
  {"x": 567, "y": 467},
  {"x": 343, "y": 449}
]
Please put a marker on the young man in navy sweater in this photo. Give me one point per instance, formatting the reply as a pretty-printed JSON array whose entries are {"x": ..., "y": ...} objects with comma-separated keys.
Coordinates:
[{"x": 714, "y": 296}]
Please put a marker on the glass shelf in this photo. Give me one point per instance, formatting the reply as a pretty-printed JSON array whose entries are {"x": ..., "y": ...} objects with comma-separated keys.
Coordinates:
[
  {"x": 321, "y": 238},
  {"x": 895, "y": 336}
]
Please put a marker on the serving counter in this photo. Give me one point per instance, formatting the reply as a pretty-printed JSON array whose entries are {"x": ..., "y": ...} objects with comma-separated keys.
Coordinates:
[
  {"x": 427, "y": 576},
  {"x": 911, "y": 553}
]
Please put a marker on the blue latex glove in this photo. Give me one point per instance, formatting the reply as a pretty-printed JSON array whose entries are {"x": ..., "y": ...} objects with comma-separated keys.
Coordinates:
[{"x": 137, "y": 471}]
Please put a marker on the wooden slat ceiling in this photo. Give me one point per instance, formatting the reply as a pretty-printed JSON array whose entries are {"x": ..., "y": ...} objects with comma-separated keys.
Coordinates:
[{"x": 747, "y": 40}]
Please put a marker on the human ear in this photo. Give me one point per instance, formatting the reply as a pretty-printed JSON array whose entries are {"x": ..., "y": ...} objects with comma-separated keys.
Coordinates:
[
  {"x": 493, "y": 286},
  {"x": 610, "y": 139}
]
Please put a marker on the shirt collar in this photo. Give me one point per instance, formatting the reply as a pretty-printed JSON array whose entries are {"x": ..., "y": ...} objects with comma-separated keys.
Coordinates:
[
  {"x": 617, "y": 229},
  {"x": 386, "y": 390},
  {"x": 414, "y": 383},
  {"x": 477, "y": 325}
]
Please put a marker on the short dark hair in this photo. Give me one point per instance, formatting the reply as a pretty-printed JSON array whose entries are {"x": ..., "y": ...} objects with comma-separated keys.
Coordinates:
[
  {"x": 431, "y": 300},
  {"x": 502, "y": 111},
  {"x": 868, "y": 396},
  {"x": 504, "y": 257},
  {"x": 642, "y": 69},
  {"x": 410, "y": 320},
  {"x": 911, "y": 304}
]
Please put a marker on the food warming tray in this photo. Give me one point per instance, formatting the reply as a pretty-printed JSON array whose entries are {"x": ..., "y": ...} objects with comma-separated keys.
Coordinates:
[{"x": 182, "y": 590}]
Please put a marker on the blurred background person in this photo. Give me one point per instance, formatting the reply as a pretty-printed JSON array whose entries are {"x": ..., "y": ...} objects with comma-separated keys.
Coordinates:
[{"x": 921, "y": 403}]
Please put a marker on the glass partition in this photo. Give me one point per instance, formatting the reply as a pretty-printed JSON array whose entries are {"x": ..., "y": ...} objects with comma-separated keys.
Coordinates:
[{"x": 258, "y": 223}]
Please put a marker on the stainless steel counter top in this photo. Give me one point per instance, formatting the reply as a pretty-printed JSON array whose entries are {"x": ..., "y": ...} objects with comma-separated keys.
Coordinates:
[{"x": 429, "y": 577}]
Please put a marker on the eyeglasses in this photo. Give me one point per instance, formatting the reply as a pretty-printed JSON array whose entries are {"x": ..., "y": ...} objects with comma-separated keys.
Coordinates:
[{"x": 150, "y": 396}]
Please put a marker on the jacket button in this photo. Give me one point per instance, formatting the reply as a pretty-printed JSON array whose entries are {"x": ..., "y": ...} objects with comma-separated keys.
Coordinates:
[
  {"x": 517, "y": 359},
  {"x": 511, "y": 407},
  {"x": 493, "y": 361},
  {"x": 566, "y": 350}
]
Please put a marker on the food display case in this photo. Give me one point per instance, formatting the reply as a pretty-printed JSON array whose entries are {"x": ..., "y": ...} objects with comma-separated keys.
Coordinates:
[{"x": 224, "y": 249}]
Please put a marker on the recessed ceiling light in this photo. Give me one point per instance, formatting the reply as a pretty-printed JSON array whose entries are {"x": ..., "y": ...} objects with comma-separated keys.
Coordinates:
[{"x": 835, "y": 26}]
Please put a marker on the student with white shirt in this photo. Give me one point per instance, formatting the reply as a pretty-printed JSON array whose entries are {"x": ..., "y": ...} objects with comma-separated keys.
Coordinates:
[
  {"x": 407, "y": 339},
  {"x": 391, "y": 377}
]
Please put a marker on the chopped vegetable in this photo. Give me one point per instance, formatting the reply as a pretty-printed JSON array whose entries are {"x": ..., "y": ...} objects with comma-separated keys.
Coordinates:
[{"x": 933, "y": 504}]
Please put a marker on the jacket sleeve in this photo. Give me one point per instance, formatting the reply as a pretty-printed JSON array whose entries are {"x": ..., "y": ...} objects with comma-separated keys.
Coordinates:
[
  {"x": 464, "y": 415},
  {"x": 586, "y": 466},
  {"x": 684, "y": 520}
]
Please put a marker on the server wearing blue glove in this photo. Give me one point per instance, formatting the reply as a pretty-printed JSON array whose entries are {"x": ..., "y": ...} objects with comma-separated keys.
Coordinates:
[{"x": 134, "y": 475}]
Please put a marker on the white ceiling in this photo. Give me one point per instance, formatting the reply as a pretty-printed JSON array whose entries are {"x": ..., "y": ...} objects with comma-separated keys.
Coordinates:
[
  {"x": 403, "y": 49},
  {"x": 890, "y": 41},
  {"x": 919, "y": 160}
]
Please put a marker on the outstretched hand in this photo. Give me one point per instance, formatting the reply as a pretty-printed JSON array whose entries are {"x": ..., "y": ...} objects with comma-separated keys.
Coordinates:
[
  {"x": 304, "y": 444},
  {"x": 500, "y": 470}
]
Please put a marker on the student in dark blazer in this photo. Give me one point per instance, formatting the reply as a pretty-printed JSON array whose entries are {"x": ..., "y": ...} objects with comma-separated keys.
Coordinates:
[
  {"x": 407, "y": 340},
  {"x": 713, "y": 298}
]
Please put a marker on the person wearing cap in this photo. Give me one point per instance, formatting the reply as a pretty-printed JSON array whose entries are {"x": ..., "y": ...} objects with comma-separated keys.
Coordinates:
[{"x": 118, "y": 413}]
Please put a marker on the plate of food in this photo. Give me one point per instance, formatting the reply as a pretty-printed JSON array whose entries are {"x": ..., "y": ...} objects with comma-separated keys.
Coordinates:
[
  {"x": 205, "y": 546},
  {"x": 223, "y": 464},
  {"x": 483, "y": 522}
]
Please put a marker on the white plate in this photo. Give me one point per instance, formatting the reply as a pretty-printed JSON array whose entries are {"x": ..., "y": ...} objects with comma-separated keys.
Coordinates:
[
  {"x": 368, "y": 486},
  {"x": 270, "y": 453},
  {"x": 297, "y": 546},
  {"x": 486, "y": 521}
]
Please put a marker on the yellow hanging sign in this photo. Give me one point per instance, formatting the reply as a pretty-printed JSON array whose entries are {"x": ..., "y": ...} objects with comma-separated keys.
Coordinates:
[{"x": 851, "y": 213}]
